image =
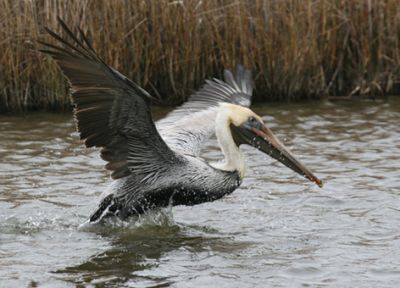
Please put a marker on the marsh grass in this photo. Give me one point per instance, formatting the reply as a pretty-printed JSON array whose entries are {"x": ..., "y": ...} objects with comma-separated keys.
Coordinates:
[{"x": 296, "y": 49}]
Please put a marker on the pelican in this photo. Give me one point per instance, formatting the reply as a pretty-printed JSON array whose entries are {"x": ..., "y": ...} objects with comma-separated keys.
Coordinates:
[{"x": 158, "y": 164}]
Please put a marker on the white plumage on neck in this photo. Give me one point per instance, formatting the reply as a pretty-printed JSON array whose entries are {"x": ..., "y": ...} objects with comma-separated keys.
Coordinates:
[{"x": 233, "y": 156}]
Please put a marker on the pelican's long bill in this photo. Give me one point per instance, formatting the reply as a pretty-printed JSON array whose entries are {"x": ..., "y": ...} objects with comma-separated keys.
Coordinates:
[{"x": 261, "y": 137}]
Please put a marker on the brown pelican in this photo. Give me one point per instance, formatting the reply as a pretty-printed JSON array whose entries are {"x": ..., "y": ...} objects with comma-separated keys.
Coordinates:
[{"x": 158, "y": 164}]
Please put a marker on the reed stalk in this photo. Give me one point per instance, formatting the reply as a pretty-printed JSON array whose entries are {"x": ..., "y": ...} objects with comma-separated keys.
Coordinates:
[{"x": 297, "y": 49}]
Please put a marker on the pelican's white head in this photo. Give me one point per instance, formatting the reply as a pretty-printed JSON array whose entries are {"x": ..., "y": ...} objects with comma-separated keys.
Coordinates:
[{"x": 237, "y": 125}]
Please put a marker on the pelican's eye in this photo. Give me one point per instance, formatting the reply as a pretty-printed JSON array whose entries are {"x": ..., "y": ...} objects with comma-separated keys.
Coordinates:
[{"x": 253, "y": 122}]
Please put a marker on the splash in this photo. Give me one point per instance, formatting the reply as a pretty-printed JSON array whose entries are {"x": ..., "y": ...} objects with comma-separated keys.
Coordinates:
[{"x": 161, "y": 217}]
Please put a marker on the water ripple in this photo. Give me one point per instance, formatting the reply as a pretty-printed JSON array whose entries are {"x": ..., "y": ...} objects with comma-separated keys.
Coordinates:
[{"x": 277, "y": 230}]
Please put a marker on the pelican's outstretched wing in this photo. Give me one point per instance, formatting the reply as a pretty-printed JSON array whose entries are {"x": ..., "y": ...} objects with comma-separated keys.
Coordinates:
[
  {"x": 186, "y": 128},
  {"x": 111, "y": 111}
]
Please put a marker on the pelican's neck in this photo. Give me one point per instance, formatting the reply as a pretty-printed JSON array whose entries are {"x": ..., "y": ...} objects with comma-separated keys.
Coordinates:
[{"x": 233, "y": 157}]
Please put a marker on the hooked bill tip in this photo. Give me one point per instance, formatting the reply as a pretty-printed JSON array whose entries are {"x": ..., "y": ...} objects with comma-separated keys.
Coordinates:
[
  {"x": 315, "y": 180},
  {"x": 319, "y": 183}
]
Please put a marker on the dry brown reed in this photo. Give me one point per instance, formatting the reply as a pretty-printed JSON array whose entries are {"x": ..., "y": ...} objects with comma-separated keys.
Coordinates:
[{"x": 296, "y": 48}]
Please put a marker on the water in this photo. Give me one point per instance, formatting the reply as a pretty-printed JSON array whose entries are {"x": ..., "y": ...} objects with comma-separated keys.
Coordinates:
[{"x": 277, "y": 230}]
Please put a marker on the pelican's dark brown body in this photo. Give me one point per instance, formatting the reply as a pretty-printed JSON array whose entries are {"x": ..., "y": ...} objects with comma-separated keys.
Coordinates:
[{"x": 131, "y": 198}]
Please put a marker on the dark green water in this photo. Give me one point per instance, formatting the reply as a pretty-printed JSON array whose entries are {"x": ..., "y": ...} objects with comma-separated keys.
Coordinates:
[{"x": 277, "y": 230}]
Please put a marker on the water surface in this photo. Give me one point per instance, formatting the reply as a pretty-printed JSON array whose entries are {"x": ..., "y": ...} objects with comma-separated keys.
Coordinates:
[{"x": 277, "y": 230}]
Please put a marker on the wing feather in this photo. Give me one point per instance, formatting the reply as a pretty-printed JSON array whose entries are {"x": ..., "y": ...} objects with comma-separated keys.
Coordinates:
[
  {"x": 111, "y": 111},
  {"x": 187, "y": 127}
]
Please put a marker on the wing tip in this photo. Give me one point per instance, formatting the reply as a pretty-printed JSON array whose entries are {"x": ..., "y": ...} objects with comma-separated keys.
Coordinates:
[{"x": 241, "y": 81}]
